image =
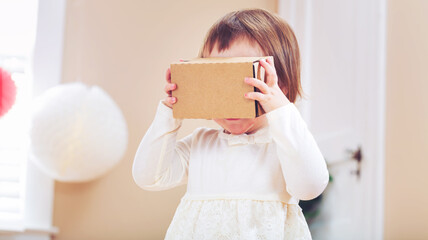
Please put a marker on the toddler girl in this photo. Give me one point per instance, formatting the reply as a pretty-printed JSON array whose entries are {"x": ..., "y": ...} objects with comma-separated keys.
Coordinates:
[{"x": 244, "y": 180}]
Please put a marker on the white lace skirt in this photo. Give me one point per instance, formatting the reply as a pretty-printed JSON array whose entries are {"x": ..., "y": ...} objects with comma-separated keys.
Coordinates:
[{"x": 236, "y": 219}]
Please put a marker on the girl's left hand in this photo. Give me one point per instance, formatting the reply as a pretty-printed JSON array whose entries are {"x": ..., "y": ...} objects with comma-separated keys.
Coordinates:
[{"x": 270, "y": 96}]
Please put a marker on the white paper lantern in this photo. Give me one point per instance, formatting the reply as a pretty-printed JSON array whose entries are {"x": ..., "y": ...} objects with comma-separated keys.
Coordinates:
[{"x": 78, "y": 133}]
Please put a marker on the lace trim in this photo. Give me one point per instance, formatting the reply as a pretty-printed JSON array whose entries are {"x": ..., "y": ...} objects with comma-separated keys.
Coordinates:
[
  {"x": 259, "y": 137},
  {"x": 285, "y": 198},
  {"x": 233, "y": 219}
]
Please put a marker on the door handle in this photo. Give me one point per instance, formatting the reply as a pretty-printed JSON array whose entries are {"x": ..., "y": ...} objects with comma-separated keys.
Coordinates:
[{"x": 356, "y": 155}]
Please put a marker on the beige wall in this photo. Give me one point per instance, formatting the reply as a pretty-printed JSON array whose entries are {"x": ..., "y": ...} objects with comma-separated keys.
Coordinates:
[
  {"x": 125, "y": 47},
  {"x": 406, "y": 193}
]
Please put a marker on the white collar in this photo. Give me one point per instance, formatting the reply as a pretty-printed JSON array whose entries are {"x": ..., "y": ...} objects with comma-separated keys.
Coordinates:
[{"x": 261, "y": 136}]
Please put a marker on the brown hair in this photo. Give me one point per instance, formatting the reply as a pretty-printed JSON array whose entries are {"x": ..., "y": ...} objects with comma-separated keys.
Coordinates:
[{"x": 275, "y": 37}]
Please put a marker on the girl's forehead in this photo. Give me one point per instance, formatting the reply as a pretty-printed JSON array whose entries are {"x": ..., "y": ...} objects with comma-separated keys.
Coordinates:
[{"x": 240, "y": 47}]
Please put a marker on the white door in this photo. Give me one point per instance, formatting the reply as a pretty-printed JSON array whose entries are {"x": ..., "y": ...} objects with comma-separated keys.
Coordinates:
[{"x": 342, "y": 47}]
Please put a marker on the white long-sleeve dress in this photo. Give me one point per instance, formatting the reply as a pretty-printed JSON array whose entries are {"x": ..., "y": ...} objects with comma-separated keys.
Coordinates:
[{"x": 238, "y": 186}]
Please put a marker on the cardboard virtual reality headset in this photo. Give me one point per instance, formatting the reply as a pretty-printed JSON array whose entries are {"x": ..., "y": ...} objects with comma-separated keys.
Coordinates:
[{"x": 210, "y": 88}]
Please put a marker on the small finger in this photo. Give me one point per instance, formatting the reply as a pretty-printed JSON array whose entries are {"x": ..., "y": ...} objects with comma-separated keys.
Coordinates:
[
  {"x": 171, "y": 100},
  {"x": 170, "y": 87},
  {"x": 168, "y": 75},
  {"x": 270, "y": 72},
  {"x": 258, "y": 84},
  {"x": 269, "y": 69},
  {"x": 270, "y": 61},
  {"x": 256, "y": 96}
]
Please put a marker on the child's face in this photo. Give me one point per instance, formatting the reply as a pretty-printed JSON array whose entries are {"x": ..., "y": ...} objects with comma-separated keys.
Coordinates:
[{"x": 241, "y": 47}]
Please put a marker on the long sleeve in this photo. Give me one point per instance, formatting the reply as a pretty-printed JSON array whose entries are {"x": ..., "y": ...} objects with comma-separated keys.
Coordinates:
[
  {"x": 304, "y": 168},
  {"x": 161, "y": 162}
]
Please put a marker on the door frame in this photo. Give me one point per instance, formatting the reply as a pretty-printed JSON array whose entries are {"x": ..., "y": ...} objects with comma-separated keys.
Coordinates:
[{"x": 371, "y": 14}]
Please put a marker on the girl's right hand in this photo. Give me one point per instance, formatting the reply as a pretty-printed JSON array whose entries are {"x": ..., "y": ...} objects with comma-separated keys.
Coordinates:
[{"x": 169, "y": 87}]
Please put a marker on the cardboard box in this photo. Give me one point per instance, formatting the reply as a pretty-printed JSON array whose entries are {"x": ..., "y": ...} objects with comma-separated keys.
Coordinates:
[{"x": 211, "y": 88}]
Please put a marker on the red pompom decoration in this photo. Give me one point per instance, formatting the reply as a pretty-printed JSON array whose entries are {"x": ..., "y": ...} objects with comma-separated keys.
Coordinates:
[{"x": 7, "y": 92}]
